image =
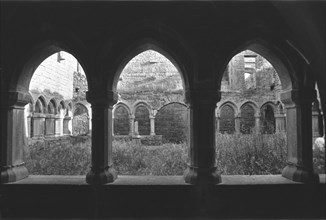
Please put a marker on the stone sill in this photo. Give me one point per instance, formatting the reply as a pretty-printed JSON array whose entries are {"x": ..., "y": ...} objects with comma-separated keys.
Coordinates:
[{"x": 159, "y": 180}]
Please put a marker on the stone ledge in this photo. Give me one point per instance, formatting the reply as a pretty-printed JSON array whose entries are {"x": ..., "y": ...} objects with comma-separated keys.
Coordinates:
[{"x": 159, "y": 180}]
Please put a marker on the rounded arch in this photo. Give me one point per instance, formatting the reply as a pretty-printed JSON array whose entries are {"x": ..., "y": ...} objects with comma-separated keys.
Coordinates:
[
  {"x": 144, "y": 104},
  {"x": 145, "y": 36},
  {"x": 123, "y": 104},
  {"x": 170, "y": 103}
]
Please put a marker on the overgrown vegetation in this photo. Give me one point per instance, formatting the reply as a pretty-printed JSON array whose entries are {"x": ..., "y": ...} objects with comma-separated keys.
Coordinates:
[{"x": 235, "y": 155}]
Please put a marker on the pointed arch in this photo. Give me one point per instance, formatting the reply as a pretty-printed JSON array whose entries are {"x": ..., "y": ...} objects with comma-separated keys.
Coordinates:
[
  {"x": 252, "y": 104},
  {"x": 145, "y": 36},
  {"x": 144, "y": 104},
  {"x": 124, "y": 105},
  {"x": 228, "y": 103}
]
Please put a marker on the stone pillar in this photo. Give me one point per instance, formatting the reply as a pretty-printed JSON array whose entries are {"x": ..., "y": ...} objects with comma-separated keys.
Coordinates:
[
  {"x": 279, "y": 122},
  {"x": 315, "y": 124},
  {"x": 112, "y": 125},
  {"x": 257, "y": 124},
  {"x": 38, "y": 124},
  {"x": 217, "y": 124},
  {"x": 58, "y": 125},
  {"x": 132, "y": 125},
  {"x": 237, "y": 124},
  {"x": 201, "y": 118},
  {"x": 66, "y": 122},
  {"x": 152, "y": 120},
  {"x": 49, "y": 125},
  {"x": 299, "y": 135},
  {"x": 102, "y": 170},
  {"x": 12, "y": 164}
]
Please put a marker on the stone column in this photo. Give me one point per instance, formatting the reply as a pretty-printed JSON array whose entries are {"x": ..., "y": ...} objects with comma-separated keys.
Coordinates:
[
  {"x": 38, "y": 123},
  {"x": 201, "y": 118},
  {"x": 257, "y": 123},
  {"x": 112, "y": 125},
  {"x": 29, "y": 125},
  {"x": 315, "y": 124},
  {"x": 58, "y": 125},
  {"x": 132, "y": 125},
  {"x": 217, "y": 124},
  {"x": 299, "y": 135},
  {"x": 279, "y": 122},
  {"x": 102, "y": 170},
  {"x": 66, "y": 122},
  {"x": 152, "y": 120},
  {"x": 12, "y": 164},
  {"x": 237, "y": 124},
  {"x": 49, "y": 125}
]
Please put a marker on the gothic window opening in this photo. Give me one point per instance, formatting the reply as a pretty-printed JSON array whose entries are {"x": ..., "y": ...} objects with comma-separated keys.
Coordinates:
[
  {"x": 121, "y": 121},
  {"x": 227, "y": 120}
]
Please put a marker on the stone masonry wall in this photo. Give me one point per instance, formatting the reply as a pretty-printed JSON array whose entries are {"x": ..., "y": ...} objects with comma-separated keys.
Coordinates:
[{"x": 55, "y": 75}]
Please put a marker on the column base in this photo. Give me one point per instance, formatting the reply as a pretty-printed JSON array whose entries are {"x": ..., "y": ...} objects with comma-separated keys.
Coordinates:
[
  {"x": 102, "y": 176},
  {"x": 13, "y": 174},
  {"x": 299, "y": 174},
  {"x": 195, "y": 175}
]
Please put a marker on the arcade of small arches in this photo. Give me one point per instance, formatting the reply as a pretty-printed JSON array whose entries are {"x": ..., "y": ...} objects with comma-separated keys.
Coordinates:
[
  {"x": 249, "y": 117},
  {"x": 50, "y": 117}
]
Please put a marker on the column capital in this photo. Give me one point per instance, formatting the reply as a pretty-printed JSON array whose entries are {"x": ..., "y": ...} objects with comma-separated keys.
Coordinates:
[
  {"x": 151, "y": 117},
  {"x": 18, "y": 99},
  {"x": 202, "y": 96},
  {"x": 102, "y": 98},
  {"x": 297, "y": 97}
]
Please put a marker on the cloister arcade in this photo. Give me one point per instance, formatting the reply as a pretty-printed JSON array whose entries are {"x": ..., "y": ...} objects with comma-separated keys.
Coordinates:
[{"x": 200, "y": 42}]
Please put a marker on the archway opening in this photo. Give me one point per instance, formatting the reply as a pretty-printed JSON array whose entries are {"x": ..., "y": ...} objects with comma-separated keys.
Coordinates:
[
  {"x": 121, "y": 121},
  {"x": 59, "y": 140},
  {"x": 150, "y": 86},
  {"x": 251, "y": 109}
]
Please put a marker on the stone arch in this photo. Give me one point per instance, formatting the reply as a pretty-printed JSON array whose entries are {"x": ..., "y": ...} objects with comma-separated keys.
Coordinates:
[
  {"x": 61, "y": 108},
  {"x": 251, "y": 103},
  {"x": 227, "y": 113},
  {"x": 267, "y": 121},
  {"x": 40, "y": 105},
  {"x": 124, "y": 104},
  {"x": 39, "y": 52},
  {"x": 52, "y": 107},
  {"x": 121, "y": 116},
  {"x": 144, "y": 104},
  {"x": 171, "y": 122},
  {"x": 248, "y": 111},
  {"x": 281, "y": 56},
  {"x": 230, "y": 103},
  {"x": 146, "y": 36},
  {"x": 80, "y": 121},
  {"x": 142, "y": 112},
  {"x": 181, "y": 103}
]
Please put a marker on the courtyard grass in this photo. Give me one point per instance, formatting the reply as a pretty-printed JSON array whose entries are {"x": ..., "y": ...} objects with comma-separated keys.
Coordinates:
[{"x": 235, "y": 155}]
